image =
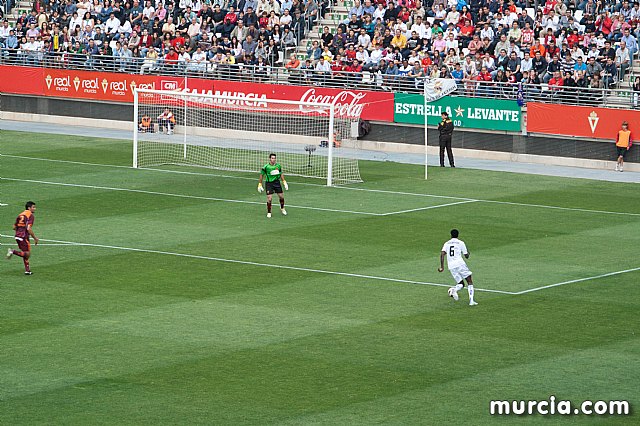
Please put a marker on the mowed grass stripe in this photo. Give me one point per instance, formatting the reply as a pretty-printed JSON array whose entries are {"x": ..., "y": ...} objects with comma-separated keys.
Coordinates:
[
  {"x": 378, "y": 191},
  {"x": 537, "y": 246}
]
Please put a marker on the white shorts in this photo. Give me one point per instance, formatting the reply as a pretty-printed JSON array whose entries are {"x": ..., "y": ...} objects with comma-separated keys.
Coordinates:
[{"x": 459, "y": 273}]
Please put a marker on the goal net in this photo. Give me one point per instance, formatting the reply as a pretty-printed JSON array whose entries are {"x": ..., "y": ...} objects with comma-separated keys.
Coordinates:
[{"x": 237, "y": 133}]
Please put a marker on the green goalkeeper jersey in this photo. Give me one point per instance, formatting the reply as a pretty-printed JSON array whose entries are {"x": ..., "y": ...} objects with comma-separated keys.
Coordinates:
[{"x": 272, "y": 173}]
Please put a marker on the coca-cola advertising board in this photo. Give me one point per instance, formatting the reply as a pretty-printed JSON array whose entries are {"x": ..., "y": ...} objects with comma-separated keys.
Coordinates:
[{"x": 104, "y": 86}]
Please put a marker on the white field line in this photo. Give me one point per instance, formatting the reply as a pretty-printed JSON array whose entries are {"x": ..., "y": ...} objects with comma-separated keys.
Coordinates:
[
  {"x": 413, "y": 194},
  {"x": 3, "y": 205},
  {"x": 429, "y": 207},
  {"x": 320, "y": 271},
  {"x": 245, "y": 262},
  {"x": 579, "y": 280},
  {"x": 151, "y": 169},
  {"x": 167, "y": 194}
]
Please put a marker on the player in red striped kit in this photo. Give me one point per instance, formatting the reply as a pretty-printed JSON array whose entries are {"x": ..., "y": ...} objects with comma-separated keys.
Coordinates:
[{"x": 23, "y": 227}]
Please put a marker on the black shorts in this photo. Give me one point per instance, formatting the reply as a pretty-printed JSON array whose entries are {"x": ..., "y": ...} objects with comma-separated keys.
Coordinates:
[
  {"x": 274, "y": 187},
  {"x": 621, "y": 151}
]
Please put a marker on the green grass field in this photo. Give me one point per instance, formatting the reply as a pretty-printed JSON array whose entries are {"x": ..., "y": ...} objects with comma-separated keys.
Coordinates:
[{"x": 186, "y": 306}]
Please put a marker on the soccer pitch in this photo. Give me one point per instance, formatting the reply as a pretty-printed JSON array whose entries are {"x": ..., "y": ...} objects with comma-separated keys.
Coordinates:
[{"x": 165, "y": 296}]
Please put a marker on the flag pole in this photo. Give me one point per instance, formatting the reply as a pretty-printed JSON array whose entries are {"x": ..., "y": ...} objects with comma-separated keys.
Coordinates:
[{"x": 426, "y": 131}]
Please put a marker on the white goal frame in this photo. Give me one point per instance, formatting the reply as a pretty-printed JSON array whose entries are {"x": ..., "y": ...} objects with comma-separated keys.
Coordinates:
[{"x": 329, "y": 107}]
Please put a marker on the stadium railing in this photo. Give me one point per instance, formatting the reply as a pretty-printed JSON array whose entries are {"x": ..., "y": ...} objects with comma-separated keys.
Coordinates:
[{"x": 366, "y": 80}]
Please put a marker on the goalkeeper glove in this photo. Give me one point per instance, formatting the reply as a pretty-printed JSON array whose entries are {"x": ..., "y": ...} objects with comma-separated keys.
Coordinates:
[
  {"x": 260, "y": 188},
  {"x": 286, "y": 185}
]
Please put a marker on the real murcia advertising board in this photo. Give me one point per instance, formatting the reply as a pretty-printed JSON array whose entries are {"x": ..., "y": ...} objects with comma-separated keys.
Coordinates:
[
  {"x": 579, "y": 121},
  {"x": 104, "y": 86}
]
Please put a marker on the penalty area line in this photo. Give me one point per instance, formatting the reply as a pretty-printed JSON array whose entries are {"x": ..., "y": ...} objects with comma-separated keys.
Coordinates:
[
  {"x": 429, "y": 207},
  {"x": 578, "y": 280},
  {"x": 412, "y": 194},
  {"x": 195, "y": 197},
  {"x": 258, "y": 264}
]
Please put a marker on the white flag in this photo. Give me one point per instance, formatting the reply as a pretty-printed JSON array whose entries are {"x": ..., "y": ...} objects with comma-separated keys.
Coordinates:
[{"x": 436, "y": 88}]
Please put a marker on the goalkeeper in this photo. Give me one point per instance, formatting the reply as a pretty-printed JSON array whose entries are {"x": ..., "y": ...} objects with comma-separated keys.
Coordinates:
[{"x": 272, "y": 174}]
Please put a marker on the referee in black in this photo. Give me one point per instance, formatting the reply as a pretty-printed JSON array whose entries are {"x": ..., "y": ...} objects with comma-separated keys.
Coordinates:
[{"x": 445, "y": 127}]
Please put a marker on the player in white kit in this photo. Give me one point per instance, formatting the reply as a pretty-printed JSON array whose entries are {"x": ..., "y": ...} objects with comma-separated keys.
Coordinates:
[{"x": 454, "y": 249}]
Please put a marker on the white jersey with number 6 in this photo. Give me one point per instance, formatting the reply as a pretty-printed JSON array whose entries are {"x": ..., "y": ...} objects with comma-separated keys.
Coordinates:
[{"x": 455, "y": 248}]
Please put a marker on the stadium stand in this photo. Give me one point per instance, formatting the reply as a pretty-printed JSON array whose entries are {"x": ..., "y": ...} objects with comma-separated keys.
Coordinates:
[{"x": 575, "y": 52}]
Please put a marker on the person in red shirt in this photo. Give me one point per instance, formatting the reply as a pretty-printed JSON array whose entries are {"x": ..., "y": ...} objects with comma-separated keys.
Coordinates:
[
  {"x": 350, "y": 53},
  {"x": 466, "y": 32},
  {"x": 552, "y": 50},
  {"x": 171, "y": 58},
  {"x": 556, "y": 81},
  {"x": 603, "y": 24},
  {"x": 263, "y": 22},
  {"x": 549, "y": 38},
  {"x": 178, "y": 41},
  {"x": 404, "y": 15},
  {"x": 484, "y": 77},
  {"x": 573, "y": 38},
  {"x": 231, "y": 16},
  {"x": 354, "y": 70},
  {"x": 337, "y": 66},
  {"x": 23, "y": 230},
  {"x": 355, "y": 66},
  {"x": 426, "y": 62}
]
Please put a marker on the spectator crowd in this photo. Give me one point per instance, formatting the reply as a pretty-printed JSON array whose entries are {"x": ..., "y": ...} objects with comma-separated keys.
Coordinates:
[{"x": 561, "y": 45}]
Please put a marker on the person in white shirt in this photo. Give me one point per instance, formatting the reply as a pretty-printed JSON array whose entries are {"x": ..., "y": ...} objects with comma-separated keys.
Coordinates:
[
  {"x": 376, "y": 55},
  {"x": 125, "y": 29},
  {"x": 487, "y": 32},
  {"x": 148, "y": 11},
  {"x": 74, "y": 22},
  {"x": 198, "y": 61},
  {"x": 454, "y": 250},
  {"x": 550, "y": 21},
  {"x": 286, "y": 18},
  {"x": 363, "y": 39},
  {"x": 362, "y": 55},
  {"x": 379, "y": 12},
  {"x": 112, "y": 25},
  {"x": 419, "y": 28}
]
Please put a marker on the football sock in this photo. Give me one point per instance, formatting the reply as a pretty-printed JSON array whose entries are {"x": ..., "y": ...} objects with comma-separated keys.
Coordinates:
[
  {"x": 18, "y": 253},
  {"x": 282, "y": 203},
  {"x": 26, "y": 265},
  {"x": 459, "y": 287},
  {"x": 268, "y": 207},
  {"x": 470, "y": 288}
]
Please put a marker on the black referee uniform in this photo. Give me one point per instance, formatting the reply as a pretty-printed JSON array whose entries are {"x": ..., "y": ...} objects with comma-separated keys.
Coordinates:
[{"x": 445, "y": 127}]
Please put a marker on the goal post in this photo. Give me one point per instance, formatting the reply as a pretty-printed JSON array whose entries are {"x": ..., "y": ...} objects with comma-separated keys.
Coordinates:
[{"x": 314, "y": 140}]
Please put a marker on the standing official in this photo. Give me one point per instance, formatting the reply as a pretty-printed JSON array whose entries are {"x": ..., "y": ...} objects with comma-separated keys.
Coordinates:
[
  {"x": 445, "y": 127},
  {"x": 623, "y": 144}
]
